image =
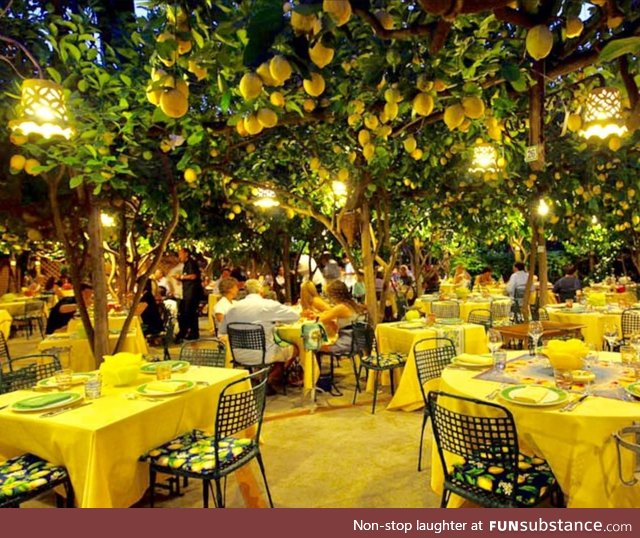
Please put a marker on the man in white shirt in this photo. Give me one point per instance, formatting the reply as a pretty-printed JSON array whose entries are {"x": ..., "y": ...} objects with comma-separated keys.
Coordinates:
[
  {"x": 518, "y": 280},
  {"x": 256, "y": 309}
]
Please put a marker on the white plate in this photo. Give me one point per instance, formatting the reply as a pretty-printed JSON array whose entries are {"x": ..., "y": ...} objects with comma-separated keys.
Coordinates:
[
  {"x": 71, "y": 398},
  {"x": 142, "y": 389},
  {"x": 462, "y": 362},
  {"x": 554, "y": 396},
  {"x": 51, "y": 383}
]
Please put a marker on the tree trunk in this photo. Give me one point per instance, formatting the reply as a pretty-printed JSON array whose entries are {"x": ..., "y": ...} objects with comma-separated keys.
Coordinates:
[
  {"x": 542, "y": 266},
  {"x": 122, "y": 257},
  {"x": 532, "y": 269},
  {"x": 99, "y": 281},
  {"x": 286, "y": 252},
  {"x": 367, "y": 266}
]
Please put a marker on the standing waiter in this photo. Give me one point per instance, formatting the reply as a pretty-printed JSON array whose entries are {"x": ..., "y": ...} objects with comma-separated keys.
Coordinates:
[{"x": 191, "y": 294}]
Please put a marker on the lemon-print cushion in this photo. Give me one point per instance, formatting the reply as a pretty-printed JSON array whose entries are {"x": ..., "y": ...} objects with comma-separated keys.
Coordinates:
[
  {"x": 27, "y": 474},
  {"x": 194, "y": 452}
]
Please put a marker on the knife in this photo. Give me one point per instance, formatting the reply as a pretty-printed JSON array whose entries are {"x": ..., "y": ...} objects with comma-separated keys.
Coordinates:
[
  {"x": 63, "y": 410},
  {"x": 574, "y": 404}
]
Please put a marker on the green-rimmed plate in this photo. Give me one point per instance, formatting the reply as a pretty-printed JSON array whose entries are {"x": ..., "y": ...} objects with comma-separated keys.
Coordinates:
[
  {"x": 183, "y": 385},
  {"x": 633, "y": 389},
  {"x": 176, "y": 366},
  {"x": 46, "y": 401},
  {"x": 412, "y": 325},
  {"x": 481, "y": 362},
  {"x": 51, "y": 383},
  {"x": 554, "y": 396},
  {"x": 449, "y": 321}
]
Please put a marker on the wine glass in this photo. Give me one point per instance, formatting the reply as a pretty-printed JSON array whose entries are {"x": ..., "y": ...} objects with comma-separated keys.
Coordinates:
[
  {"x": 536, "y": 329},
  {"x": 590, "y": 360},
  {"x": 494, "y": 340},
  {"x": 635, "y": 342},
  {"x": 611, "y": 335}
]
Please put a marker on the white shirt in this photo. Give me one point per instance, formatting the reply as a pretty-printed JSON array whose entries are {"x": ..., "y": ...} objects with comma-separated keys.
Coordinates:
[
  {"x": 517, "y": 280},
  {"x": 266, "y": 312},
  {"x": 176, "y": 284},
  {"x": 223, "y": 305}
]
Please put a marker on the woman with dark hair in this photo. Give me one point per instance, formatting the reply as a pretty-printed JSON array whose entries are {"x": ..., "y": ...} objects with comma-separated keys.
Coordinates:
[
  {"x": 149, "y": 312},
  {"x": 339, "y": 318}
]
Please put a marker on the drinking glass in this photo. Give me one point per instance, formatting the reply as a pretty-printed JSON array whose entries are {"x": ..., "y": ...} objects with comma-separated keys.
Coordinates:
[
  {"x": 627, "y": 355},
  {"x": 536, "y": 330},
  {"x": 494, "y": 341},
  {"x": 611, "y": 335},
  {"x": 590, "y": 360},
  {"x": 499, "y": 360},
  {"x": 563, "y": 379},
  {"x": 64, "y": 378},
  {"x": 635, "y": 342},
  {"x": 163, "y": 371}
]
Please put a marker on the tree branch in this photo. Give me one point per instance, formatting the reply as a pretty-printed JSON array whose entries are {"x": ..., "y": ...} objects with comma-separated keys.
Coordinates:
[{"x": 25, "y": 51}]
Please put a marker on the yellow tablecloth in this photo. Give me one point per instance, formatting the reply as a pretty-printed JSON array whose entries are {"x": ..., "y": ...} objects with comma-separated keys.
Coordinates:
[
  {"x": 5, "y": 323},
  {"x": 465, "y": 306},
  {"x": 577, "y": 445},
  {"x": 211, "y": 304},
  {"x": 390, "y": 337},
  {"x": 115, "y": 324},
  {"x": 595, "y": 323},
  {"x": 292, "y": 334},
  {"x": 100, "y": 444},
  {"x": 15, "y": 308}
]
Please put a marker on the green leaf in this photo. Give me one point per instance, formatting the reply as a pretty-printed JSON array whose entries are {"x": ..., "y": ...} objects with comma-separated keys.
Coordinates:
[
  {"x": 73, "y": 50},
  {"x": 97, "y": 189},
  {"x": 225, "y": 101},
  {"x": 75, "y": 181},
  {"x": 197, "y": 38},
  {"x": 83, "y": 85},
  {"x": 510, "y": 72},
  {"x": 126, "y": 80},
  {"x": 91, "y": 150},
  {"x": 195, "y": 138},
  {"x": 54, "y": 75},
  {"x": 307, "y": 9},
  {"x": 620, "y": 47},
  {"x": 265, "y": 24}
]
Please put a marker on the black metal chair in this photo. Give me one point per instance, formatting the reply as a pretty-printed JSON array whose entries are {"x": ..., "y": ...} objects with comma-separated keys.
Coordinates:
[
  {"x": 372, "y": 360},
  {"x": 248, "y": 345},
  {"x": 432, "y": 355},
  {"x": 487, "y": 467},
  {"x": 5, "y": 357},
  {"x": 446, "y": 309},
  {"x": 481, "y": 316},
  {"x": 501, "y": 311},
  {"x": 33, "y": 313},
  {"x": 516, "y": 306},
  {"x": 24, "y": 477},
  {"x": 204, "y": 352},
  {"x": 630, "y": 324},
  {"x": 26, "y": 371},
  {"x": 212, "y": 457}
]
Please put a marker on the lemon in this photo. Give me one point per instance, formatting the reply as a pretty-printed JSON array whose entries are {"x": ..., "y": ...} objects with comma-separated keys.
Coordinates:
[
  {"x": 252, "y": 124},
  {"x": 190, "y": 175},
  {"x": 501, "y": 162},
  {"x": 158, "y": 74},
  {"x": 173, "y": 103},
  {"x": 267, "y": 117},
  {"x": 321, "y": 55},
  {"x": 454, "y": 116},
  {"x": 384, "y": 131},
  {"x": 439, "y": 85},
  {"x": 17, "y": 162},
  {"x": 574, "y": 27},
  {"x": 368, "y": 151},
  {"x": 392, "y": 95},
  {"x": 340, "y": 10},
  {"x": 277, "y": 99},
  {"x": 29, "y": 166},
  {"x": 364, "y": 137},
  {"x": 240, "y": 128},
  {"x": 18, "y": 140},
  {"x": 574, "y": 122},
  {"x": 539, "y": 42},
  {"x": 473, "y": 107},
  {"x": 423, "y": 84},
  {"x": 179, "y": 84},
  {"x": 309, "y": 105},
  {"x": 264, "y": 72},
  {"x": 423, "y": 104},
  {"x": 183, "y": 47},
  {"x": 352, "y": 156},
  {"x": 280, "y": 69},
  {"x": 410, "y": 144},
  {"x": 231, "y": 215},
  {"x": 250, "y": 148},
  {"x": 237, "y": 209},
  {"x": 214, "y": 152},
  {"x": 153, "y": 93},
  {"x": 371, "y": 121},
  {"x": 315, "y": 86},
  {"x": 614, "y": 143},
  {"x": 314, "y": 163},
  {"x": 323, "y": 173},
  {"x": 390, "y": 111},
  {"x": 385, "y": 20},
  {"x": 250, "y": 86},
  {"x": 303, "y": 23},
  {"x": 343, "y": 174},
  {"x": 417, "y": 154},
  {"x": 353, "y": 119}
]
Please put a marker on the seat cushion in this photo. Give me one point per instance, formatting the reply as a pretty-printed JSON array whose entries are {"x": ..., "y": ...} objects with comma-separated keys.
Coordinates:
[
  {"x": 28, "y": 474},
  {"x": 195, "y": 452},
  {"x": 385, "y": 360},
  {"x": 534, "y": 478}
]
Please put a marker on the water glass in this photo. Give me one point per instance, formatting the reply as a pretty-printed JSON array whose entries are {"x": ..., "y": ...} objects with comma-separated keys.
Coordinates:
[
  {"x": 163, "y": 371},
  {"x": 93, "y": 387},
  {"x": 64, "y": 379},
  {"x": 500, "y": 360},
  {"x": 628, "y": 355},
  {"x": 494, "y": 340},
  {"x": 611, "y": 335},
  {"x": 635, "y": 342},
  {"x": 536, "y": 330},
  {"x": 563, "y": 379}
]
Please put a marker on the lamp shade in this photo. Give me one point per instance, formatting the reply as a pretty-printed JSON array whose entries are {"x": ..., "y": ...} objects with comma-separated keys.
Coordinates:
[
  {"x": 266, "y": 198},
  {"x": 603, "y": 114},
  {"x": 42, "y": 110},
  {"x": 485, "y": 159}
]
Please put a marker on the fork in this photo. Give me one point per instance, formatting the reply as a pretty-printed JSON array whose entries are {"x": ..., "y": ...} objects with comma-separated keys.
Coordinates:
[
  {"x": 573, "y": 404},
  {"x": 494, "y": 393}
]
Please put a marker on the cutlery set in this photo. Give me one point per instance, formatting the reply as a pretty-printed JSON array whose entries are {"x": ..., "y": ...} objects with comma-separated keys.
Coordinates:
[
  {"x": 573, "y": 404},
  {"x": 64, "y": 410}
]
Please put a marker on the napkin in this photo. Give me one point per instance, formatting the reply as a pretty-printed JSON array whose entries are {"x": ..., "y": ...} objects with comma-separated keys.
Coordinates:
[
  {"x": 474, "y": 359},
  {"x": 47, "y": 399},
  {"x": 530, "y": 394},
  {"x": 566, "y": 354},
  {"x": 166, "y": 386}
]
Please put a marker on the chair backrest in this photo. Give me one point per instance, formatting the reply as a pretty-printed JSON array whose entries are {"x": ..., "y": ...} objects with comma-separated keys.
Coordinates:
[
  {"x": 204, "y": 352},
  {"x": 477, "y": 431},
  {"x": 543, "y": 315},
  {"x": 432, "y": 356},
  {"x": 500, "y": 309},
  {"x": 630, "y": 322},
  {"x": 5, "y": 357},
  {"x": 363, "y": 340},
  {"x": 480, "y": 316},
  {"x": 248, "y": 343},
  {"x": 241, "y": 408},
  {"x": 34, "y": 308},
  {"x": 446, "y": 309},
  {"x": 26, "y": 371}
]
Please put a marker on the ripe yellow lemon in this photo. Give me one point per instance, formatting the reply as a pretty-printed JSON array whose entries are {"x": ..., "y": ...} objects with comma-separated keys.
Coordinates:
[
  {"x": 539, "y": 42},
  {"x": 364, "y": 137},
  {"x": 368, "y": 151},
  {"x": 158, "y": 74},
  {"x": 250, "y": 86},
  {"x": 454, "y": 116},
  {"x": 574, "y": 27},
  {"x": 183, "y": 47},
  {"x": 417, "y": 154},
  {"x": 302, "y": 23},
  {"x": 340, "y": 10},
  {"x": 315, "y": 86},
  {"x": 321, "y": 55},
  {"x": 280, "y": 69},
  {"x": 392, "y": 95},
  {"x": 390, "y": 111},
  {"x": 153, "y": 94},
  {"x": 252, "y": 124},
  {"x": 439, "y": 85},
  {"x": 309, "y": 105},
  {"x": 198, "y": 71},
  {"x": 190, "y": 175},
  {"x": 264, "y": 72},
  {"x": 343, "y": 174},
  {"x": 371, "y": 121},
  {"x": 353, "y": 119},
  {"x": 410, "y": 144},
  {"x": 574, "y": 122},
  {"x": 18, "y": 140},
  {"x": 17, "y": 162},
  {"x": 267, "y": 117},
  {"x": 277, "y": 99},
  {"x": 423, "y": 84},
  {"x": 29, "y": 166},
  {"x": 236, "y": 208},
  {"x": 423, "y": 104},
  {"x": 314, "y": 163},
  {"x": 240, "y": 128},
  {"x": 473, "y": 107},
  {"x": 614, "y": 143},
  {"x": 384, "y": 131},
  {"x": 179, "y": 84},
  {"x": 386, "y": 20},
  {"x": 173, "y": 103}
]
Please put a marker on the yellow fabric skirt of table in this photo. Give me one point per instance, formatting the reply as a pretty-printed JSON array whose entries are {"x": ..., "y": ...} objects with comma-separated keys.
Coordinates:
[
  {"x": 211, "y": 304},
  {"x": 390, "y": 337},
  {"x": 100, "y": 444},
  {"x": 5, "y": 323},
  {"x": 293, "y": 334},
  {"x": 578, "y": 445},
  {"x": 595, "y": 323},
  {"x": 15, "y": 308}
]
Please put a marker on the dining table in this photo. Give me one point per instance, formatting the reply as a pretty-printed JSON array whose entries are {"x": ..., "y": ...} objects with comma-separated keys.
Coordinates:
[
  {"x": 100, "y": 443},
  {"x": 468, "y": 305},
  {"x": 5, "y": 323},
  {"x": 577, "y": 444},
  {"x": 402, "y": 336},
  {"x": 292, "y": 334},
  {"x": 593, "y": 320}
]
